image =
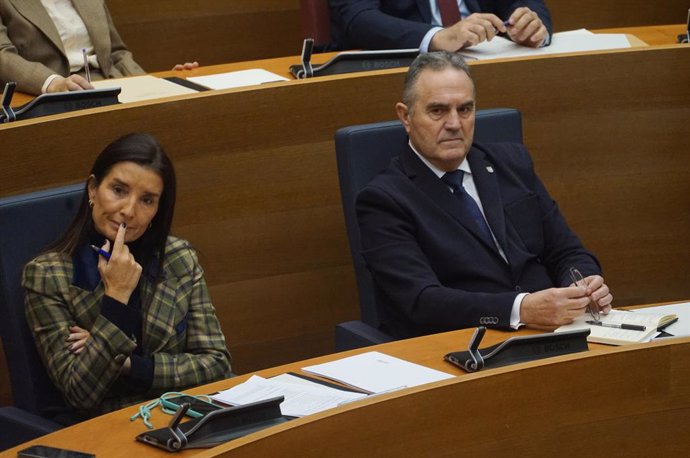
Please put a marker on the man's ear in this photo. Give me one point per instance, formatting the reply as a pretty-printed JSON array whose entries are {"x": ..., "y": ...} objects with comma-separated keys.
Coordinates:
[{"x": 403, "y": 114}]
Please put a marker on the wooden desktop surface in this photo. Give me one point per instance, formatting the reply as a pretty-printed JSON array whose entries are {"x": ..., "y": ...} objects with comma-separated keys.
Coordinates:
[
  {"x": 161, "y": 33},
  {"x": 258, "y": 188},
  {"x": 636, "y": 398},
  {"x": 639, "y": 36}
]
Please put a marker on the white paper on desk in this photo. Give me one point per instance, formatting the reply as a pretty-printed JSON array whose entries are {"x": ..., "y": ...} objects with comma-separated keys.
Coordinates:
[
  {"x": 237, "y": 79},
  {"x": 144, "y": 87},
  {"x": 300, "y": 398},
  {"x": 680, "y": 328},
  {"x": 376, "y": 372},
  {"x": 576, "y": 41}
]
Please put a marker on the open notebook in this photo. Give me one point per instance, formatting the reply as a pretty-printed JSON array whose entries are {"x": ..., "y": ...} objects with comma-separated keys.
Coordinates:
[{"x": 616, "y": 336}]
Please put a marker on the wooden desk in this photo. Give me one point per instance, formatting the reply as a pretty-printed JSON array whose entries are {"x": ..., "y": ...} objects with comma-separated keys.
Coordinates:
[
  {"x": 258, "y": 189},
  {"x": 652, "y": 34},
  {"x": 635, "y": 399},
  {"x": 163, "y": 32}
]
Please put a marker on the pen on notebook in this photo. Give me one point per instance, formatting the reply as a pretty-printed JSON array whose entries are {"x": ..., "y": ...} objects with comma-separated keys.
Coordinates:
[
  {"x": 86, "y": 65},
  {"x": 631, "y": 327},
  {"x": 100, "y": 251}
]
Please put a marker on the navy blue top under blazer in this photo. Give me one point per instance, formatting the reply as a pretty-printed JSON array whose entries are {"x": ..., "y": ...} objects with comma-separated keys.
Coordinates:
[{"x": 432, "y": 269}]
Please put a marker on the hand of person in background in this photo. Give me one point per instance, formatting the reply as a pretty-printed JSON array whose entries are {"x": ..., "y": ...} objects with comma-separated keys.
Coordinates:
[
  {"x": 186, "y": 66},
  {"x": 71, "y": 83},
  {"x": 525, "y": 28},
  {"x": 472, "y": 30}
]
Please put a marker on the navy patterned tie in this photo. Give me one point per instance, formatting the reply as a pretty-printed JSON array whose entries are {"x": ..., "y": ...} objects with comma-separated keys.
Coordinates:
[{"x": 454, "y": 181}]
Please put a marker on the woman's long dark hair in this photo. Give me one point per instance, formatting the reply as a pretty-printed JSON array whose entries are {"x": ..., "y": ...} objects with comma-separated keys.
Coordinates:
[{"x": 142, "y": 149}]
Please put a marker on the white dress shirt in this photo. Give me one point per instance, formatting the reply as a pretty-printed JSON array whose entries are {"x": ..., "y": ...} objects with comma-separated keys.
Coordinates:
[{"x": 73, "y": 33}]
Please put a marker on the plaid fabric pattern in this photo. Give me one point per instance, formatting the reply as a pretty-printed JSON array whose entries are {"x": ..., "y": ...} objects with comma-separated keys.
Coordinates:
[{"x": 180, "y": 331}]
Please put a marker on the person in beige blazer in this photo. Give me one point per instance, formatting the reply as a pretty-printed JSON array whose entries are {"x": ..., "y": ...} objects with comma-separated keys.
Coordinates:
[{"x": 31, "y": 49}]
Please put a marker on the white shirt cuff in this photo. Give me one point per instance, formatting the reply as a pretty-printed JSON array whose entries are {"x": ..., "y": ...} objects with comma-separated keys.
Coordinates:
[
  {"x": 47, "y": 82},
  {"x": 426, "y": 41},
  {"x": 515, "y": 312}
]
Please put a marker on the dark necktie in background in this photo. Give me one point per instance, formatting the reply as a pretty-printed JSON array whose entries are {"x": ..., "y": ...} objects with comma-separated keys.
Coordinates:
[
  {"x": 450, "y": 12},
  {"x": 454, "y": 181}
]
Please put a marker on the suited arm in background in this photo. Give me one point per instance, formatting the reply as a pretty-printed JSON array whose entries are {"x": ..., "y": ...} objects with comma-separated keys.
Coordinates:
[
  {"x": 374, "y": 24},
  {"x": 31, "y": 49}
]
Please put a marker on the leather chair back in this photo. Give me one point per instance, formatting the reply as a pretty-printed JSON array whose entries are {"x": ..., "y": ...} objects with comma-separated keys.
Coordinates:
[{"x": 28, "y": 224}]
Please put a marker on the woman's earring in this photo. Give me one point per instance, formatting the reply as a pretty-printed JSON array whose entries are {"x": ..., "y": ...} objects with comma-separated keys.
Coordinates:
[{"x": 90, "y": 203}]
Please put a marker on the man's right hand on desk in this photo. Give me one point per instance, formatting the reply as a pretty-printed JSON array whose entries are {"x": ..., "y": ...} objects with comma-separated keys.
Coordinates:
[
  {"x": 71, "y": 83},
  {"x": 554, "y": 307}
]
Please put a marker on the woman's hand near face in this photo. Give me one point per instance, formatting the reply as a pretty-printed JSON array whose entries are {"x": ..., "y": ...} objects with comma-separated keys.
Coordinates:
[
  {"x": 121, "y": 273},
  {"x": 77, "y": 338}
]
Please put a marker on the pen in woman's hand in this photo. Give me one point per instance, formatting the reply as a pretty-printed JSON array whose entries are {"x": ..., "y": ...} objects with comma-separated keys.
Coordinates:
[{"x": 101, "y": 251}]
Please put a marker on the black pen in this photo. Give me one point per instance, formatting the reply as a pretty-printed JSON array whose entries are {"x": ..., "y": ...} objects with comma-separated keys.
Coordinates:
[
  {"x": 631, "y": 327},
  {"x": 100, "y": 251}
]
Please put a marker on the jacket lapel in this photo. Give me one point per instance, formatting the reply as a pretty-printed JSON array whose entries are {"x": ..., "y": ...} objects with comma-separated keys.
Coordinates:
[
  {"x": 35, "y": 13},
  {"x": 94, "y": 17},
  {"x": 437, "y": 190},
  {"x": 486, "y": 182}
]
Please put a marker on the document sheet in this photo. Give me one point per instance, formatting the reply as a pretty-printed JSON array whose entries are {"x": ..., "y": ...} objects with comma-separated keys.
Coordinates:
[
  {"x": 680, "y": 328},
  {"x": 618, "y": 336},
  {"x": 144, "y": 87},
  {"x": 562, "y": 42},
  {"x": 237, "y": 79},
  {"x": 376, "y": 372},
  {"x": 302, "y": 397}
]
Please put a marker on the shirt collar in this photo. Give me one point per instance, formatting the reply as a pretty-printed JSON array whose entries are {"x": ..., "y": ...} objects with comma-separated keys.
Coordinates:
[{"x": 464, "y": 165}]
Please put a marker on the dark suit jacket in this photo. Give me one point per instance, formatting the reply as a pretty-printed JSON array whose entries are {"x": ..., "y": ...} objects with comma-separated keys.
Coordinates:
[
  {"x": 31, "y": 49},
  {"x": 400, "y": 24},
  {"x": 432, "y": 269}
]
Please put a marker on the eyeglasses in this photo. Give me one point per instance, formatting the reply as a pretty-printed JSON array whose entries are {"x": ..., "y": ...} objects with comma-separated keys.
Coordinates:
[{"x": 579, "y": 280}]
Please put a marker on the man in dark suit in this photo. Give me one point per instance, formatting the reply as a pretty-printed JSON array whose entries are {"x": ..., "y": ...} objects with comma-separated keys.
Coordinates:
[
  {"x": 432, "y": 26},
  {"x": 458, "y": 234}
]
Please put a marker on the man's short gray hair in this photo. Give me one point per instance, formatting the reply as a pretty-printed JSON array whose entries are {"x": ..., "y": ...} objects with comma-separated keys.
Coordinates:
[{"x": 437, "y": 61}]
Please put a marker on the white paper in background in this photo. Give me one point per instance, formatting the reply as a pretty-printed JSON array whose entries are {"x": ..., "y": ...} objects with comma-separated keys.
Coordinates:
[
  {"x": 237, "y": 79},
  {"x": 144, "y": 87},
  {"x": 680, "y": 328},
  {"x": 300, "y": 398},
  {"x": 563, "y": 42},
  {"x": 376, "y": 372}
]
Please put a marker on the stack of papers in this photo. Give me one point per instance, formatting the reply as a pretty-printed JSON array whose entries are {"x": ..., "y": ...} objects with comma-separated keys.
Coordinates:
[
  {"x": 376, "y": 372},
  {"x": 562, "y": 42},
  {"x": 302, "y": 397},
  {"x": 145, "y": 87},
  {"x": 237, "y": 79},
  {"x": 607, "y": 334}
]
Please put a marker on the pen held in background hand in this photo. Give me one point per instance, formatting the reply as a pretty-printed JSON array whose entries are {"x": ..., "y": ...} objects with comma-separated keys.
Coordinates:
[
  {"x": 101, "y": 252},
  {"x": 87, "y": 71},
  {"x": 630, "y": 327}
]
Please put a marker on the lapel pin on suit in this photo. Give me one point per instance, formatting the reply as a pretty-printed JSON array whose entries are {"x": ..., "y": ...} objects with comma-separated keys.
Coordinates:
[{"x": 489, "y": 169}]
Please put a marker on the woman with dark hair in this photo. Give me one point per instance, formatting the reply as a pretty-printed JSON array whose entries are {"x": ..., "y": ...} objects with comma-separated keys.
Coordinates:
[{"x": 119, "y": 308}]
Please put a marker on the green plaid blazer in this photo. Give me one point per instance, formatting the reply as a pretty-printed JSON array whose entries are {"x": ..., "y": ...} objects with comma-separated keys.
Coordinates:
[{"x": 180, "y": 331}]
